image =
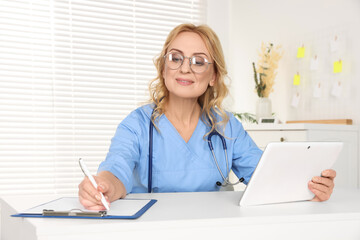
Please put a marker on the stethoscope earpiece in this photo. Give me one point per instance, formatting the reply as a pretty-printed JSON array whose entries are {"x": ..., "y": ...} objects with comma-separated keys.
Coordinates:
[{"x": 218, "y": 183}]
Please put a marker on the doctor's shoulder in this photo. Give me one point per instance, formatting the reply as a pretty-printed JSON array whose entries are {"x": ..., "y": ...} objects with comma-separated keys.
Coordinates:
[
  {"x": 137, "y": 121},
  {"x": 232, "y": 126}
]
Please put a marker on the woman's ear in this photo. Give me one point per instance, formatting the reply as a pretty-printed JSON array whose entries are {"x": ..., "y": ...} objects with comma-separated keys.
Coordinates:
[{"x": 213, "y": 80}]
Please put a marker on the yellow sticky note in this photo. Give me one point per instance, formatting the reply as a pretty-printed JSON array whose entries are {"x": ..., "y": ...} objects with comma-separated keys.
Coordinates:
[
  {"x": 300, "y": 52},
  {"x": 338, "y": 66},
  {"x": 296, "y": 80}
]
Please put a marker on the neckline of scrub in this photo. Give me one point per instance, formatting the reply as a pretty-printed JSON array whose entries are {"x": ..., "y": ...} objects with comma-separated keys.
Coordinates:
[{"x": 178, "y": 134}]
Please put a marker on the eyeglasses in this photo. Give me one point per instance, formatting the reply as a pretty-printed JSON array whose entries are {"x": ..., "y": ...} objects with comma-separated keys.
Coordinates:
[{"x": 198, "y": 64}]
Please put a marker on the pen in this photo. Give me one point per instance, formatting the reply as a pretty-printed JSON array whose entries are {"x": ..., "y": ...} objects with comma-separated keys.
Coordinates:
[{"x": 92, "y": 180}]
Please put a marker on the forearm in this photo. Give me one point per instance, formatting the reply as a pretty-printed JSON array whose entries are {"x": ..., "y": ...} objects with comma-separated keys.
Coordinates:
[{"x": 119, "y": 190}]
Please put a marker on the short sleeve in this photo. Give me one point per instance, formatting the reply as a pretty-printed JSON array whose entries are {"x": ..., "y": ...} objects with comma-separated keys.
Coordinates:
[
  {"x": 246, "y": 154},
  {"x": 124, "y": 151}
]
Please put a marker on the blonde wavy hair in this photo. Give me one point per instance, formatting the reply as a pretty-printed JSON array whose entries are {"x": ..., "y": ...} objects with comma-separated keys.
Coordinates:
[{"x": 211, "y": 100}]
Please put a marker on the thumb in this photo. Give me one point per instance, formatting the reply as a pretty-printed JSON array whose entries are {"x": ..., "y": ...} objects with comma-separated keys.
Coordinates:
[{"x": 102, "y": 186}]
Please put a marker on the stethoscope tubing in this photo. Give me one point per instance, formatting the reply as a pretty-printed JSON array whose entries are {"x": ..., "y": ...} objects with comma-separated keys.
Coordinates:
[
  {"x": 226, "y": 179},
  {"x": 150, "y": 156}
]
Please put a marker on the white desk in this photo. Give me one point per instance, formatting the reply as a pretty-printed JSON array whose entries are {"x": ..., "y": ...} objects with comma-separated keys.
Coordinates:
[{"x": 209, "y": 215}]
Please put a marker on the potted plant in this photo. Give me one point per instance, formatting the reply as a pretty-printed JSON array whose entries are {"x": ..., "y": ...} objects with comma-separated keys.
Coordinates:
[{"x": 264, "y": 77}]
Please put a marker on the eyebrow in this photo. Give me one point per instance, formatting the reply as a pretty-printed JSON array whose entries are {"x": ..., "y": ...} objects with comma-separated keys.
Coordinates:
[{"x": 196, "y": 53}]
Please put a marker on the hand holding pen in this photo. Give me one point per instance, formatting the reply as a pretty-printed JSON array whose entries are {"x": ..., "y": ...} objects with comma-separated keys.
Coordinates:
[{"x": 94, "y": 184}]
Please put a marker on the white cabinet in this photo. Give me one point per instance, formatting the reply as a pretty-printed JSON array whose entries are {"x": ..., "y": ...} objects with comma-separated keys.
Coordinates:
[{"x": 347, "y": 165}]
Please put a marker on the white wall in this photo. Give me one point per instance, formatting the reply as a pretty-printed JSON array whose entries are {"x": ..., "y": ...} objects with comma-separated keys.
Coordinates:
[
  {"x": 219, "y": 19},
  {"x": 288, "y": 23},
  {"x": 243, "y": 25}
]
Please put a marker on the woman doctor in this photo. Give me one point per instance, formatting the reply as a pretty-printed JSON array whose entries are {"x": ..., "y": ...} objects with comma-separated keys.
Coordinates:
[{"x": 186, "y": 108}]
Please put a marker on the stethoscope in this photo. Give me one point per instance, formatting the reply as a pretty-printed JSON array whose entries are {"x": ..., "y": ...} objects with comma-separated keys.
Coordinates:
[
  {"x": 226, "y": 179},
  {"x": 214, "y": 132}
]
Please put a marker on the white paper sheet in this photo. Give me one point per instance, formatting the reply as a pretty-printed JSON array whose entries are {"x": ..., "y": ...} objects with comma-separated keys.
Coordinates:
[{"x": 121, "y": 207}]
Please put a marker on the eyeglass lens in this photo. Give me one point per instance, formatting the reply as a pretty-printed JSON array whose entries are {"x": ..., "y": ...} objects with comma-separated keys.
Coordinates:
[{"x": 198, "y": 64}]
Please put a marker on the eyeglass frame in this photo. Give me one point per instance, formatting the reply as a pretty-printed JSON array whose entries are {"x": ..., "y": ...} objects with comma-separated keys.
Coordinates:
[{"x": 190, "y": 59}]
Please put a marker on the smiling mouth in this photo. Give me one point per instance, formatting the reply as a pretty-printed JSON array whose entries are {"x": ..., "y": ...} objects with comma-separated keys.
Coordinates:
[{"x": 184, "y": 82}]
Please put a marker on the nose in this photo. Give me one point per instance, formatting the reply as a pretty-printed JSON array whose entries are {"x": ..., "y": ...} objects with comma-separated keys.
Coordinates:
[{"x": 185, "y": 66}]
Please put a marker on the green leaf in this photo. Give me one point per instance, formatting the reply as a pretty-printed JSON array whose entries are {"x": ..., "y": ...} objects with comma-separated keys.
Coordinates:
[{"x": 246, "y": 117}]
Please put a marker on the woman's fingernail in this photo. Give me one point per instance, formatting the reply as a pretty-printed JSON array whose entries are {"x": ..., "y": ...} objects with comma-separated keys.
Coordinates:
[
  {"x": 97, "y": 197},
  {"x": 101, "y": 187}
]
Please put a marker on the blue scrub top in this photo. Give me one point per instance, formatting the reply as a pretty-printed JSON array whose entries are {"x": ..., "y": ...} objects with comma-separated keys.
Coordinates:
[{"x": 177, "y": 166}]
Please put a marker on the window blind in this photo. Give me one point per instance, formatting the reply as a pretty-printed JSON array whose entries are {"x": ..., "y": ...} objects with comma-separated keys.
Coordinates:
[{"x": 70, "y": 71}]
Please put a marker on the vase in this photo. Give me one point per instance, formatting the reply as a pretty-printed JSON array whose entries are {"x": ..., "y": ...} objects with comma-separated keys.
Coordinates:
[{"x": 263, "y": 108}]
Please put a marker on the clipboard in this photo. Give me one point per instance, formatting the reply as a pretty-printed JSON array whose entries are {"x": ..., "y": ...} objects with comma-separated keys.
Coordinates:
[{"x": 70, "y": 207}]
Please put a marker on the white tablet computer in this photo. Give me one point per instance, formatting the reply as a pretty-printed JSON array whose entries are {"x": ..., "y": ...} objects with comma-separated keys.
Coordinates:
[{"x": 284, "y": 170}]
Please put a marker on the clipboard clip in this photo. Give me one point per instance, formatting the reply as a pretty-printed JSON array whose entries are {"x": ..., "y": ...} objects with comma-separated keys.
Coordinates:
[{"x": 73, "y": 213}]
